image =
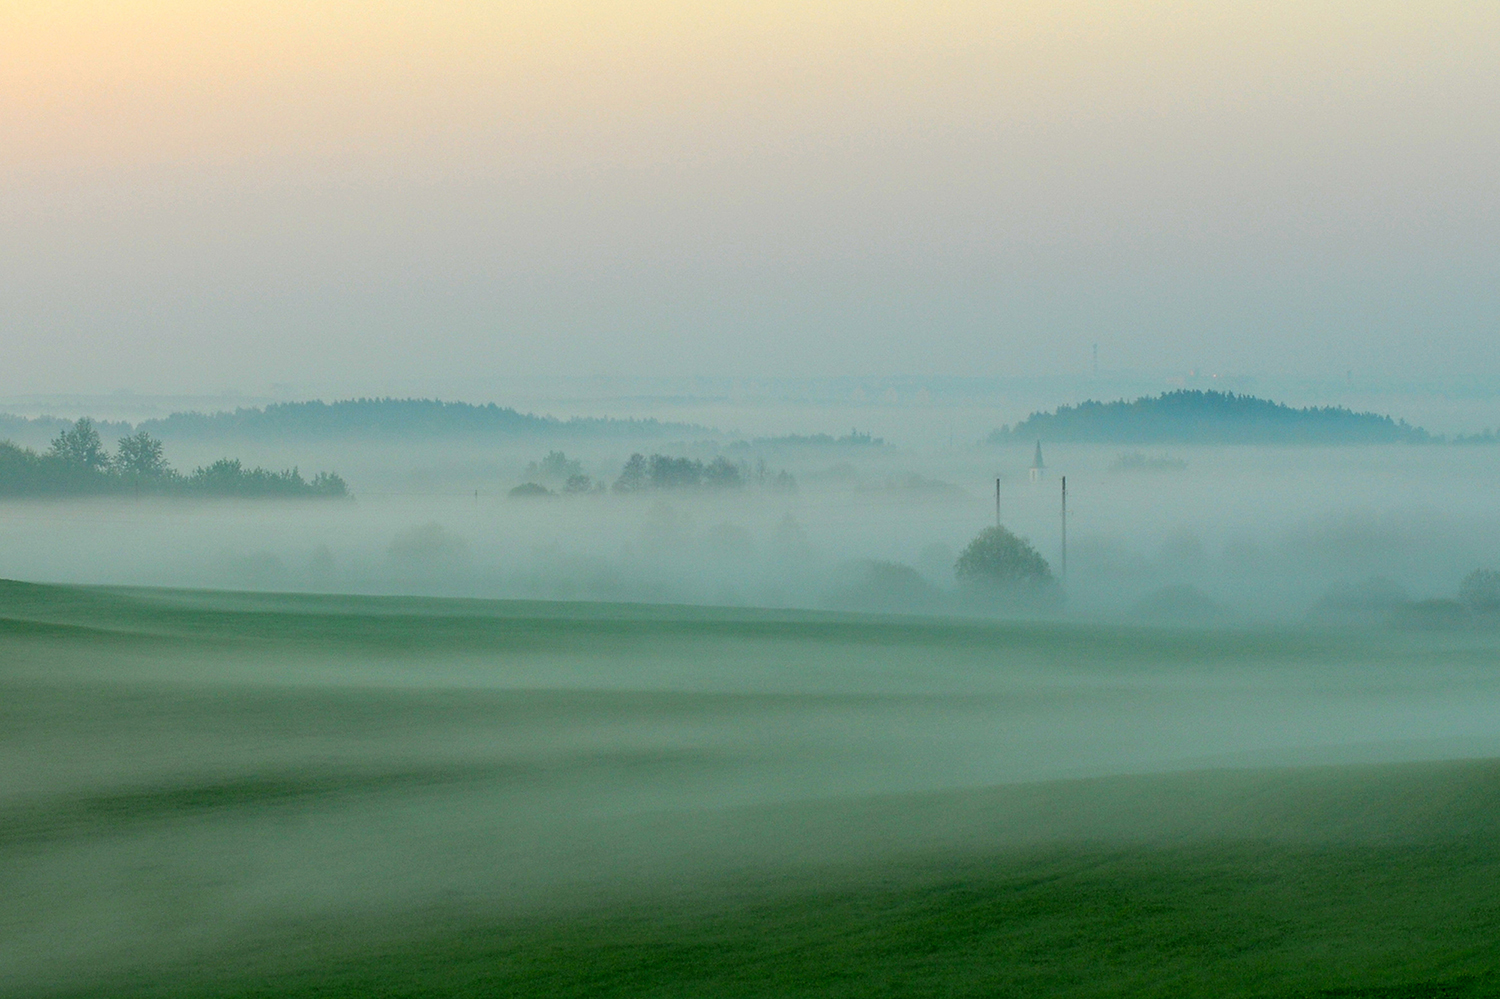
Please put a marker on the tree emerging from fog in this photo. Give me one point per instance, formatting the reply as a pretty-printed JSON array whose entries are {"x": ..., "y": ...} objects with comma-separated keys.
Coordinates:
[
  {"x": 141, "y": 454},
  {"x": 79, "y": 445},
  {"x": 633, "y": 476},
  {"x": 555, "y": 467},
  {"x": 998, "y": 558}
]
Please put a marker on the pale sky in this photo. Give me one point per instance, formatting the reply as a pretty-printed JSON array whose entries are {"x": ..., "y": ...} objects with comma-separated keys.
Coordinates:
[{"x": 196, "y": 197}]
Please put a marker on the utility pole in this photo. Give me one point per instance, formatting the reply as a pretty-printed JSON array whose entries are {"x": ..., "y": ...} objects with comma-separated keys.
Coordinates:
[
  {"x": 1096, "y": 360},
  {"x": 1064, "y": 527},
  {"x": 997, "y": 502}
]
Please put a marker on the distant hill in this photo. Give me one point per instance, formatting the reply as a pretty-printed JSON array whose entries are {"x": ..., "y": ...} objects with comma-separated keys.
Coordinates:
[
  {"x": 1196, "y": 417},
  {"x": 388, "y": 418},
  {"x": 38, "y": 431}
]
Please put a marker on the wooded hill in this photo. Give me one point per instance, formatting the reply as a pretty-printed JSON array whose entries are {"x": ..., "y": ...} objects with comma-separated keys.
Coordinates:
[
  {"x": 394, "y": 418},
  {"x": 1197, "y": 417}
]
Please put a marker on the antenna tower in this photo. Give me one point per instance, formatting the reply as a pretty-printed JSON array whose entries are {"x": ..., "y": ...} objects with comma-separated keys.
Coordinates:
[{"x": 1064, "y": 527}]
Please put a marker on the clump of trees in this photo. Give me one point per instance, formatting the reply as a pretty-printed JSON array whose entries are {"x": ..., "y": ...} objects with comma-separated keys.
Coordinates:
[
  {"x": 227, "y": 477},
  {"x": 77, "y": 464},
  {"x": 557, "y": 473},
  {"x": 564, "y": 473},
  {"x": 661, "y": 471},
  {"x": 555, "y": 467},
  {"x": 998, "y": 559}
]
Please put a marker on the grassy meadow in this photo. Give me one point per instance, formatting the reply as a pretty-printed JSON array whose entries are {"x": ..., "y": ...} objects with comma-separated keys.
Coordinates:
[{"x": 224, "y": 794}]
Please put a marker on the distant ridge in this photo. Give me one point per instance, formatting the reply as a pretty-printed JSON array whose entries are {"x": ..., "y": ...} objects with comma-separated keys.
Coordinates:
[
  {"x": 1190, "y": 416},
  {"x": 384, "y": 418},
  {"x": 38, "y": 430}
]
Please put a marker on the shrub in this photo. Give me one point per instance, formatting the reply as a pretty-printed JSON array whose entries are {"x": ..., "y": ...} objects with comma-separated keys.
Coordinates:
[{"x": 1480, "y": 591}]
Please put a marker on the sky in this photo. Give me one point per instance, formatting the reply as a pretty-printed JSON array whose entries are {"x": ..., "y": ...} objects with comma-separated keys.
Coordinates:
[{"x": 207, "y": 197}]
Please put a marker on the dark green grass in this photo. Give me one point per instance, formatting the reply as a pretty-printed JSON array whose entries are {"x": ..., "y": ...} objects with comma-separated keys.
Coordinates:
[
  {"x": 321, "y": 624},
  {"x": 199, "y": 747},
  {"x": 1219, "y": 919}
]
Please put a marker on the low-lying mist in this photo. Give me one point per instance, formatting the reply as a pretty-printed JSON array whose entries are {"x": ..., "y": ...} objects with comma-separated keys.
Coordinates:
[{"x": 1185, "y": 535}]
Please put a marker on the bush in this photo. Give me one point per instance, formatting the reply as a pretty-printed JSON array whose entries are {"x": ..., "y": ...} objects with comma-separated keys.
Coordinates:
[
  {"x": 1370, "y": 602},
  {"x": 1480, "y": 591},
  {"x": 1430, "y": 615},
  {"x": 1179, "y": 605},
  {"x": 884, "y": 586}
]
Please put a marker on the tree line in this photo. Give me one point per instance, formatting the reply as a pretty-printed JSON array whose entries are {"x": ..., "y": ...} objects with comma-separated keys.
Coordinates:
[
  {"x": 656, "y": 472},
  {"x": 78, "y": 464}
]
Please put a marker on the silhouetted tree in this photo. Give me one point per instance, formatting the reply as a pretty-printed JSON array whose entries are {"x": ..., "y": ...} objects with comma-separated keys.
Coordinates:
[
  {"x": 996, "y": 557},
  {"x": 141, "y": 454},
  {"x": 80, "y": 445},
  {"x": 633, "y": 477}
]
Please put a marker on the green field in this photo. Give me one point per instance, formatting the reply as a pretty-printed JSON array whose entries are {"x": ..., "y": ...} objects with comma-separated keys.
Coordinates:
[{"x": 255, "y": 795}]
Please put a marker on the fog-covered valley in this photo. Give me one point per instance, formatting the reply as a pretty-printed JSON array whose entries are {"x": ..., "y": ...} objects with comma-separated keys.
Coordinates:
[{"x": 1259, "y": 533}]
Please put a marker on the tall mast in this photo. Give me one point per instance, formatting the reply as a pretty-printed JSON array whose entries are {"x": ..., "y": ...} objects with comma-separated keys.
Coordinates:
[{"x": 1064, "y": 527}]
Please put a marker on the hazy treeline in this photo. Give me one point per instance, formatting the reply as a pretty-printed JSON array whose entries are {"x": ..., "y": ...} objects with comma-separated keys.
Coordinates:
[
  {"x": 357, "y": 419},
  {"x": 77, "y": 464},
  {"x": 659, "y": 471},
  {"x": 852, "y": 439},
  {"x": 1198, "y": 417},
  {"x": 366, "y": 418}
]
